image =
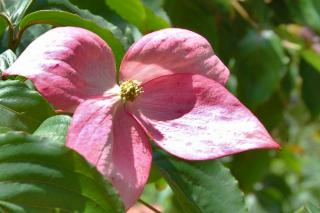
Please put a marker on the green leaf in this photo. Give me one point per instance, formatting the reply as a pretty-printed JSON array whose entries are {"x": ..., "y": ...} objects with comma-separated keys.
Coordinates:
[
  {"x": 220, "y": 5},
  {"x": 54, "y": 128},
  {"x": 99, "y": 12},
  {"x": 156, "y": 18},
  {"x": 154, "y": 22},
  {"x": 250, "y": 167},
  {"x": 30, "y": 35},
  {"x": 62, "y": 18},
  {"x": 3, "y": 23},
  {"x": 305, "y": 12},
  {"x": 312, "y": 57},
  {"x": 135, "y": 12},
  {"x": 308, "y": 208},
  {"x": 259, "y": 11},
  {"x": 21, "y": 108},
  {"x": 98, "y": 7},
  {"x": 102, "y": 16},
  {"x": 131, "y": 10},
  {"x": 4, "y": 129},
  {"x": 40, "y": 176},
  {"x": 260, "y": 67},
  {"x": 10, "y": 207},
  {"x": 14, "y": 9},
  {"x": 182, "y": 14},
  {"x": 11, "y": 13},
  {"x": 6, "y": 59},
  {"x": 310, "y": 87},
  {"x": 205, "y": 187},
  {"x": 270, "y": 113}
]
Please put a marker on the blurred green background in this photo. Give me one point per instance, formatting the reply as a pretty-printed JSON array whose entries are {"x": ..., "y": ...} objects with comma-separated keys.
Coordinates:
[{"x": 272, "y": 48}]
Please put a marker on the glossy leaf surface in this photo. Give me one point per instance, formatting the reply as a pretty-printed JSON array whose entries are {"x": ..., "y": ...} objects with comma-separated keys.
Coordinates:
[
  {"x": 40, "y": 176},
  {"x": 61, "y": 18},
  {"x": 54, "y": 128},
  {"x": 21, "y": 108},
  {"x": 194, "y": 181},
  {"x": 6, "y": 59}
]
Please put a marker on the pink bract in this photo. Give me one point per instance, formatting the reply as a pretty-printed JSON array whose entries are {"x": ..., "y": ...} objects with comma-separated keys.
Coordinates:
[{"x": 184, "y": 107}]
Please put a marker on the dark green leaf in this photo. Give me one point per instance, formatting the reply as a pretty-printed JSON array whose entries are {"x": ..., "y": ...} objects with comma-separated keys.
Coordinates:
[
  {"x": 224, "y": 5},
  {"x": 62, "y": 18},
  {"x": 271, "y": 112},
  {"x": 21, "y": 108},
  {"x": 54, "y": 128},
  {"x": 259, "y": 11},
  {"x": 310, "y": 87},
  {"x": 260, "y": 66},
  {"x": 99, "y": 7},
  {"x": 3, "y": 23},
  {"x": 272, "y": 193},
  {"x": 249, "y": 168},
  {"x": 305, "y": 12},
  {"x": 6, "y": 59},
  {"x": 40, "y": 176},
  {"x": 183, "y": 12},
  {"x": 205, "y": 187}
]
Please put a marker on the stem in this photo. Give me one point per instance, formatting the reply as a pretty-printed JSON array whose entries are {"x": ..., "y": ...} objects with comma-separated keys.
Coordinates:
[
  {"x": 149, "y": 206},
  {"x": 11, "y": 40},
  {"x": 17, "y": 38},
  {"x": 243, "y": 13}
]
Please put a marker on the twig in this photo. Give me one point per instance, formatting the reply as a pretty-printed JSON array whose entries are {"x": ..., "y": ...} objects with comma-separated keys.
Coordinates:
[
  {"x": 243, "y": 13},
  {"x": 149, "y": 206}
]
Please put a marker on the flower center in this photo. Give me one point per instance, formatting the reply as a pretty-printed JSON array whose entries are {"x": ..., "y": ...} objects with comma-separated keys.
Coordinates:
[{"x": 130, "y": 89}]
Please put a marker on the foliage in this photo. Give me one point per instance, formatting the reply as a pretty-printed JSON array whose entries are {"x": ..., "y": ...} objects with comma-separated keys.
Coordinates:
[{"x": 272, "y": 49}]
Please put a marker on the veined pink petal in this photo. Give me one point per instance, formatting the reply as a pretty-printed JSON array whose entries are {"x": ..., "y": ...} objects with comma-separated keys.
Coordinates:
[
  {"x": 110, "y": 138},
  {"x": 172, "y": 51},
  {"x": 196, "y": 118},
  {"x": 91, "y": 127},
  {"x": 67, "y": 65}
]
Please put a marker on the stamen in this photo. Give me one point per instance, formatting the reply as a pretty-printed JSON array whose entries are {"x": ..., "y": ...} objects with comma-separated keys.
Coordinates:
[{"x": 130, "y": 89}]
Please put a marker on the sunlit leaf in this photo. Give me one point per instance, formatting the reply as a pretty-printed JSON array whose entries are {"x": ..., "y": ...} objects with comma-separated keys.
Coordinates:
[
  {"x": 131, "y": 10},
  {"x": 136, "y": 13},
  {"x": 308, "y": 208},
  {"x": 14, "y": 9},
  {"x": 6, "y": 59},
  {"x": 312, "y": 57},
  {"x": 54, "y": 128},
  {"x": 62, "y": 18}
]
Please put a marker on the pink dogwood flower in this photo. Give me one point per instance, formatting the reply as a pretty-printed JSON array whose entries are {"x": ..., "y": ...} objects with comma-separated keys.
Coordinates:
[{"x": 171, "y": 91}]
